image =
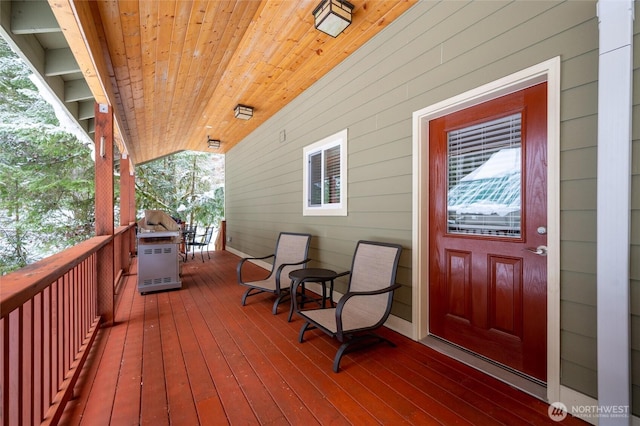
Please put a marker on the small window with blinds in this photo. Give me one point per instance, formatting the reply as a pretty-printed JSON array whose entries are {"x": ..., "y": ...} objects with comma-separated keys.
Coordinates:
[
  {"x": 484, "y": 178},
  {"x": 325, "y": 176}
]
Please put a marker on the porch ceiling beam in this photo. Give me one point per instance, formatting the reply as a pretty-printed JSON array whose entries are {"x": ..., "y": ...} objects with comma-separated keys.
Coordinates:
[
  {"x": 77, "y": 90},
  {"x": 85, "y": 110},
  {"x": 30, "y": 17},
  {"x": 84, "y": 35},
  {"x": 46, "y": 64},
  {"x": 60, "y": 62},
  {"x": 25, "y": 45}
]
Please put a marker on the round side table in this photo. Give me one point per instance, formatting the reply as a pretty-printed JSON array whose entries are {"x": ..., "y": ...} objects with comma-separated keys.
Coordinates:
[{"x": 310, "y": 275}]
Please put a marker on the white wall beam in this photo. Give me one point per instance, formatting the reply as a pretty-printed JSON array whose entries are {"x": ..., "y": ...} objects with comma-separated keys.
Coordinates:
[{"x": 614, "y": 202}]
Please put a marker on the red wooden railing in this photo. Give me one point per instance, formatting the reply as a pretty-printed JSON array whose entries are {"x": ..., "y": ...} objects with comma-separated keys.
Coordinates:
[{"x": 49, "y": 320}]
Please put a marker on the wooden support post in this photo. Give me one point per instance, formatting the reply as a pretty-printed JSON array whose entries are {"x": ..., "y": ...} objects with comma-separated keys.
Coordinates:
[
  {"x": 126, "y": 214},
  {"x": 132, "y": 207},
  {"x": 104, "y": 209},
  {"x": 125, "y": 193}
]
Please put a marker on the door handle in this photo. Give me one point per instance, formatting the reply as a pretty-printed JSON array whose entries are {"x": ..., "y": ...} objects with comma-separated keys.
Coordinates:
[{"x": 540, "y": 250}]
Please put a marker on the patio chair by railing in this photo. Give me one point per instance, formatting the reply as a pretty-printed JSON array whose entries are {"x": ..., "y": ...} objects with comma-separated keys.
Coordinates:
[
  {"x": 291, "y": 253},
  {"x": 202, "y": 242},
  {"x": 367, "y": 303},
  {"x": 188, "y": 239}
]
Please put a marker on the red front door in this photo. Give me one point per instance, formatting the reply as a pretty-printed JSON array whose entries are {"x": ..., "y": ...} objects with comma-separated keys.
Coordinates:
[{"x": 487, "y": 230}]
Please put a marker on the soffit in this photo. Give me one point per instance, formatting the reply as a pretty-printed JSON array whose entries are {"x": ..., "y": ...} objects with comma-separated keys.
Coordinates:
[{"x": 174, "y": 70}]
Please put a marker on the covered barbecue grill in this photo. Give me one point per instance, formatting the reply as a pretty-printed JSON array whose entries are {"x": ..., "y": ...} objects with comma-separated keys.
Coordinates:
[{"x": 158, "y": 252}]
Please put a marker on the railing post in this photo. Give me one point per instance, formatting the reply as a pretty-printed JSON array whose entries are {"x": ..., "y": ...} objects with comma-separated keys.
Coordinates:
[{"x": 104, "y": 209}]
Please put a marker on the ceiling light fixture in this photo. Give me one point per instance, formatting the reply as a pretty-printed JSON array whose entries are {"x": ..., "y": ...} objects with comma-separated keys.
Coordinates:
[
  {"x": 243, "y": 112},
  {"x": 332, "y": 16},
  {"x": 213, "y": 143}
]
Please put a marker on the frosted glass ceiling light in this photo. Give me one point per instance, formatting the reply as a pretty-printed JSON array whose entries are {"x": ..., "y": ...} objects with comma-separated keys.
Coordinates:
[
  {"x": 332, "y": 16},
  {"x": 213, "y": 143},
  {"x": 243, "y": 112}
]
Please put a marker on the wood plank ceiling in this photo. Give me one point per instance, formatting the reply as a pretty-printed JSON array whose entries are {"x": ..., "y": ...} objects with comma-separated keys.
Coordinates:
[{"x": 175, "y": 70}]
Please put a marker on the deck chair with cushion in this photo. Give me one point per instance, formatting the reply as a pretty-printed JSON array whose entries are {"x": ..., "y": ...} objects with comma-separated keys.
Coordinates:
[
  {"x": 366, "y": 304},
  {"x": 291, "y": 254}
]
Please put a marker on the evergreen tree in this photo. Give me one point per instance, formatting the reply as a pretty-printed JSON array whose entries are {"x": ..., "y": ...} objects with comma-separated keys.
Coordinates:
[
  {"x": 187, "y": 185},
  {"x": 47, "y": 187},
  {"x": 46, "y": 174}
]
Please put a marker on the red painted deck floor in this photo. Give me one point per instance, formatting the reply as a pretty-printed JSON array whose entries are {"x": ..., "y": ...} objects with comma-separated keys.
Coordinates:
[{"x": 196, "y": 356}]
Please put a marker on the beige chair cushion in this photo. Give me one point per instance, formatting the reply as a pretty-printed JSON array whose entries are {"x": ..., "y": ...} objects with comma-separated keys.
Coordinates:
[
  {"x": 291, "y": 249},
  {"x": 373, "y": 269}
]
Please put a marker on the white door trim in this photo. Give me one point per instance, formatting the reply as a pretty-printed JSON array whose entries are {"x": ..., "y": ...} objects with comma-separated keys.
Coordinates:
[{"x": 548, "y": 71}]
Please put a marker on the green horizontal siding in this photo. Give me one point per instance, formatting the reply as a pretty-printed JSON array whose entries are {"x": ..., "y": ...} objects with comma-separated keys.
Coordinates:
[{"x": 433, "y": 52}]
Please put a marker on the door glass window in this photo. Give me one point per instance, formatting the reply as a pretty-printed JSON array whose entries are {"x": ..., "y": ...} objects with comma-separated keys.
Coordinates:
[{"x": 484, "y": 178}]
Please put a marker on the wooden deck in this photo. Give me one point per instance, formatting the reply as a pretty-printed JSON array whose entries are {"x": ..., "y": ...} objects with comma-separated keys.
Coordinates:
[{"x": 196, "y": 356}]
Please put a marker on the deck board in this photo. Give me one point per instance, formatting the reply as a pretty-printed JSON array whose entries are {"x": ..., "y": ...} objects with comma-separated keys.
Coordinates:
[
  {"x": 183, "y": 410},
  {"x": 196, "y": 356}
]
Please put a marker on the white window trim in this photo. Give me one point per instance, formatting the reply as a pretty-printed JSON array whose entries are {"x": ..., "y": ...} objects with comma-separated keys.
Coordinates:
[{"x": 337, "y": 209}]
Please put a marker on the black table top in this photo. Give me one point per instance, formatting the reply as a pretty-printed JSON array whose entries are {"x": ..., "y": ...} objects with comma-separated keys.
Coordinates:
[{"x": 312, "y": 273}]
